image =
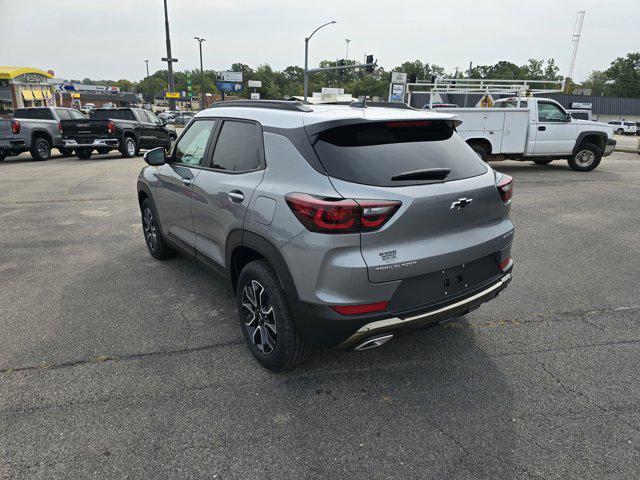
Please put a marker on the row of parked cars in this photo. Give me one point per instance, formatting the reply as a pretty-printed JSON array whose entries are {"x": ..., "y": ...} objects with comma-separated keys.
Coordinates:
[{"x": 38, "y": 130}]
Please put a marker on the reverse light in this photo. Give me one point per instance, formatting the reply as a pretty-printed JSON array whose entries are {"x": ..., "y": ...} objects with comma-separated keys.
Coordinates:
[
  {"x": 15, "y": 127},
  {"x": 505, "y": 187},
  {"x": 111, "y": 127},
  {"x": 360, "y": 309},
  {"x": 340, "y": 215}
]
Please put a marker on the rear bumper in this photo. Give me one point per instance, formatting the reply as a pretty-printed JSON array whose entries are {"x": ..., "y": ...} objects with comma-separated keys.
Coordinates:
[
  {"x": 320, "y": 325},
  {"x": 97, "y": 143},
  {"x": 609, "y": 147},
  {"x": 13, "y": 144}
]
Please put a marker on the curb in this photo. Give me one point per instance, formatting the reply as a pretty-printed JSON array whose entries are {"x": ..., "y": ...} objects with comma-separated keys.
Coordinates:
[{"x": 626, "y": 150}]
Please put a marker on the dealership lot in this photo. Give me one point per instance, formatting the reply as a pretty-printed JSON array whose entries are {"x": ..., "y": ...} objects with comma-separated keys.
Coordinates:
[{"x": 114, "y": 365}]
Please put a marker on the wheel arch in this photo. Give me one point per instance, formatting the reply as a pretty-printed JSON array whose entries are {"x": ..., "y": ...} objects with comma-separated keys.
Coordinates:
[
  {"x": 42, "y": 134},
  {"x": 482, "y": 142},
  {"x": 599, "y": 139}
]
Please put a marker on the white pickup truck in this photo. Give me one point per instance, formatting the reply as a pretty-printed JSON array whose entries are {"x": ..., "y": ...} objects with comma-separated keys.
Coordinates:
[{"x": 536, "y": 129}]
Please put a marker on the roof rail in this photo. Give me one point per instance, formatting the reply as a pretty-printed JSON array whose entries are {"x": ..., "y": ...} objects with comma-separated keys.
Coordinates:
[
  {"x": 400, "y": 105},
  {"x": 271, "y": 104}
]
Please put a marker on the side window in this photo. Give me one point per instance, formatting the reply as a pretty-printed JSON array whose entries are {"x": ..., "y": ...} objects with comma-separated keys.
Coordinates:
[
  {"x": 153, "y": 118},
  {"x": 76, "y": 115},
  {"x": 63, "y": 114},
  {"x": 191, "y": 147},
  {"x": 142, "y": 116},
  {"x": 41, "y": 114},
  {"x": 238, "y": 147},
  {"x": 549, "y": 112}
]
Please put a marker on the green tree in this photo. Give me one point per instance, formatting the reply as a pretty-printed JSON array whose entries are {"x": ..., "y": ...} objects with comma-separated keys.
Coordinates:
[{"x": 623, "y": 76}]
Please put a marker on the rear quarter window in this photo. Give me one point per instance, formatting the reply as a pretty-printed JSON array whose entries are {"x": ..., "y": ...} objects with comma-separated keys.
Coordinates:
[{"x": 374, "y": 153}]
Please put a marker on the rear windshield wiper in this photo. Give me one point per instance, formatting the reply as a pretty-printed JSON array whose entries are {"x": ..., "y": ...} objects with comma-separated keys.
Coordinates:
[{"x": 426, "y": 174}]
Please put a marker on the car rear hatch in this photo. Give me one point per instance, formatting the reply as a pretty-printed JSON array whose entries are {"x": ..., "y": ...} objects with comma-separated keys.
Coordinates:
[{"x": 452, "y": 214}]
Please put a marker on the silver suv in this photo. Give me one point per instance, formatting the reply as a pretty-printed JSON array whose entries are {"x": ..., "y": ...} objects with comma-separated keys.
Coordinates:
[{"x": 334, "y": 225}]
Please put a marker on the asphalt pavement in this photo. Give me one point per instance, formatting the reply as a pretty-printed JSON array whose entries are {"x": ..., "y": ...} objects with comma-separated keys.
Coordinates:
[{"x": 115, "y": 365}]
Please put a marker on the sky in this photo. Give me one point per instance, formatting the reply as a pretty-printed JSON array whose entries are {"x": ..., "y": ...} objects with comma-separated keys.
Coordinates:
[{"x": 111, "y": 39}]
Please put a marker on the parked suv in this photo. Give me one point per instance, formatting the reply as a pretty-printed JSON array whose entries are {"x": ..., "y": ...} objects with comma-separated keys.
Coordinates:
[
  {"x": 334, "y": 225},
  {"x": 624, "y": 127}
]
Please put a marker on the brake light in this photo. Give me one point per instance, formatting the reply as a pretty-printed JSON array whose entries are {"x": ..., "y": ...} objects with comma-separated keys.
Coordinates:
[
  {"x": 60, "y": 127},
  {"x": 15, "y": 127},
  {"x": 360, "y": 309},
  {"x": 340, "y": 215},
  {"x": 111, "y": 127},
  {"x": 505, "y": 187},
  {"x": 505, "y": 263},
  {"x": 409, "y": 123}
]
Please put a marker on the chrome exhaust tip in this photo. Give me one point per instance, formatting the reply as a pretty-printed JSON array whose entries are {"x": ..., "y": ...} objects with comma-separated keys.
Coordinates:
[{"x": 373, "y": 342}]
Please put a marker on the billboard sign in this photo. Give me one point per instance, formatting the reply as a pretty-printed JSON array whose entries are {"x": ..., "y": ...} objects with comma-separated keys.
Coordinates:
[
  {"x": 255, "y": 84},
  {"x": 228, "y": 87},
  {"x": 397, "y": 92},
  {"x": 172, "y": 94},
  {"x": 398, "y": 77},
  {"x": 235, "y": 77}
]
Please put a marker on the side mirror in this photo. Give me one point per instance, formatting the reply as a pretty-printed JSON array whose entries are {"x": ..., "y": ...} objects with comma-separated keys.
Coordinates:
[{"x": 155, "y": 157}]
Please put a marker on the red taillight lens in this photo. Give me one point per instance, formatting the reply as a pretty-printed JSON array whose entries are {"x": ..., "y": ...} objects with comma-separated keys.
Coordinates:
[
  {"x": 505, "y": 187},
  {"x": 60, "y": 128},
  {"x": 360, "y": 309},
  {"x": 111, "y": 127},
  {"x": 15, "y": 126},
  {"x": 327, "y": 215},
  {"x": 505, "y": 263}
]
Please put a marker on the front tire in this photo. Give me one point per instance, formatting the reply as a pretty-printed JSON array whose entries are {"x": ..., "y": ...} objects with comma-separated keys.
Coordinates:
[
  {"x": 586, "y": 158},
  {"x": 129, "y": 147},
  {"x": 3, "y": 155},
  {"x": 41, "y": 149},
  {"x": 265, "y": 319},
  {"x": 153, "y": 234},
  {"x": 619, "y": 131}
]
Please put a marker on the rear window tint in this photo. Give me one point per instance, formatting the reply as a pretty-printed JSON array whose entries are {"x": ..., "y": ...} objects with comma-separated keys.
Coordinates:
[
  {"x": 116, "y": 114},
  {"x": 373, "y": 153}
]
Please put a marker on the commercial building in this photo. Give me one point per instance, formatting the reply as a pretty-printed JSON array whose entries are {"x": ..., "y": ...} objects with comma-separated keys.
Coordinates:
[{"x": 24, "y": 87}]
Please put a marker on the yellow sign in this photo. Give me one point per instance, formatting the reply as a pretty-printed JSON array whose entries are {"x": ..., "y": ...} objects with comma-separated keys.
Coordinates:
[
  {"x": 75, "y": 95},
  {"x": 172, "y": 95}
]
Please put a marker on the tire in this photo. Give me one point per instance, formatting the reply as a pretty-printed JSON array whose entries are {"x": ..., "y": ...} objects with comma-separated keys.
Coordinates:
[
  {"x": 480, "y": 151},
  {"x": 3, "y": 155},
  {"x": 619, "y": 131},
  {"x": 259, "y": 290},
  {"x": 103, "y": 151},
  {"x": 129, "y": 147},
  {"x": 586, "y": 158},
  {"x": 153, "y": 233},
  {"x": 542, "y": 162},
  {"x": 66, "y": 152},
  {"x": 40, "y": 149},
  {"x": 84, "y": 153}
]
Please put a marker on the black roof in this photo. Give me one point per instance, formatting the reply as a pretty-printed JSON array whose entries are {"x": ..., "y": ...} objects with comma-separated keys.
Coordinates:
[{"x": 271, "y": 104}]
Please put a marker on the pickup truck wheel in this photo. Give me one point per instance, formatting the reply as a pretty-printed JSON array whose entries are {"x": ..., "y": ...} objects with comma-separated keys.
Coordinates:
[
  {"x": 542, "y": 162},
  {"x": 129, "y": 147},
  {"x": 480, "y": 151},
  {"x": 266, "y": 320},
  {"x": 3, "y": 155},
  {"x": 84, "y": 153},
  {"x": 41, "y": 149},
  {"x": 66, "y": 152},
  {"x": 152, "y": 233},
  {"x": 586, "y": 158}
]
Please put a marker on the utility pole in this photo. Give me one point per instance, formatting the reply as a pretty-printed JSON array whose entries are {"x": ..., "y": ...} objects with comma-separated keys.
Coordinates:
[
  {"x": 200, "y": 40},
  {"x": 466, "y": 94},
  {"x": 169, "y": 59},
  {"x": 306, "y": 57}
]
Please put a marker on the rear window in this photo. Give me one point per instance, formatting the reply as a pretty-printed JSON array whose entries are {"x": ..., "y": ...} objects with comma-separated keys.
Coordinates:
[
  {"x": 374, "y": 153},
  {"x": 33, "y": 113},
  {"x": 580, "y": 115},
  {"x": 116, "y": 114}
]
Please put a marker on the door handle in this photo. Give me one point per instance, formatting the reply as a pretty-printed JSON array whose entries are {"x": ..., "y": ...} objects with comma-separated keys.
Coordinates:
[
  {"x": 542, "y": 129},
  {"x": 186, "y": 181},
  {"x": 236, "y": 196}
]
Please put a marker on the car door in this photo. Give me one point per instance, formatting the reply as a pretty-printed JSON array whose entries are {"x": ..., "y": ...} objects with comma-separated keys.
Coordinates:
[
  {"x": 160, "y": 131},
  {"x": 223, "y": 191},
  {"x": 174, "y": 186},
  {"x": 556, "y": 134}
]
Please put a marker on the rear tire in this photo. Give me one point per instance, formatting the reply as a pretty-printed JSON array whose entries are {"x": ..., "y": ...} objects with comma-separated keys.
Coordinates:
[
  {"x": 3, "y": 155},
  {"x": 586, "y": 158},
  {"x": 265, "y": 319},
  {"x": 41, "y": 149},
  {"x": 480, "y": 151},
  {"x": 129, "y": 147},
  {"x": 153, "y": 233},
  {"x": 542, "y": 162},
  {"x": 66, "y": 152},
  {"x": 84, "y": 153}
]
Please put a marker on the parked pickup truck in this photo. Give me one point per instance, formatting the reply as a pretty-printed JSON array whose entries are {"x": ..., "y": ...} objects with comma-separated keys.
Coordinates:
[
  {"x": 40, "y": 129},
  {"x": 11, "y": 141},
  {"x": 537, "y": 129},
  {"x": 124, "y": 129}
]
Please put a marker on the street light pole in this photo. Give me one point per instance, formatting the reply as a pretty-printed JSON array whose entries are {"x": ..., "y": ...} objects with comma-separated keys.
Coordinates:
[
  {"x": 306, "y": 58},
  {"x": 200, "y": 40},
  {"x": 147, "y": 62},
  {"x": 170, "y": 59},
  {"x": 346, "y": 58}
]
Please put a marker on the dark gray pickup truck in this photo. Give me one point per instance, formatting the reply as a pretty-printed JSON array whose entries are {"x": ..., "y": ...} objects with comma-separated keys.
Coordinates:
[{"x": 124, "y": 129}]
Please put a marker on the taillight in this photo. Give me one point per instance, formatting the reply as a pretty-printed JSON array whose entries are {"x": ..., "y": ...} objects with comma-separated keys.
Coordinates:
[
  {"x": 360, "y": 309},
  {"x": 340, "y": 215},
  {"x": 505, "y": 263},
  {"x": 60, "y": 128},
  {"x": 111, "y": 127},
  {"x": 15, "y": 126},
  {"x": 505, "y": 187}
]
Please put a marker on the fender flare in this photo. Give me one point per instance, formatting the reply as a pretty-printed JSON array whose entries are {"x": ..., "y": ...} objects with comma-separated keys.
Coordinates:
[
  {"x": 41, "y": 133},
  {"x": 583, "y": 135}
]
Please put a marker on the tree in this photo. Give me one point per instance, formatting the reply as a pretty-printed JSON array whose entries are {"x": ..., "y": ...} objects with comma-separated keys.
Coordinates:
[{"x": 624, "y": 76}]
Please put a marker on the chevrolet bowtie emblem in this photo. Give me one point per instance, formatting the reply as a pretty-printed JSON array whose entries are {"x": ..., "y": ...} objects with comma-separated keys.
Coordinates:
[{"x": 461, "y": 203}]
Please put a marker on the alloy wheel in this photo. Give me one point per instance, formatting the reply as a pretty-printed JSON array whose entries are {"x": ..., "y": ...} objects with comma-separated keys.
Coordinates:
[
  {"x": 43, "y": 149},
  {"x": 150, "y": 229},
  {"x": 259, "y": 317},
  {"x": 584, "y": 158},
  {"x": 131, "y": 147}
]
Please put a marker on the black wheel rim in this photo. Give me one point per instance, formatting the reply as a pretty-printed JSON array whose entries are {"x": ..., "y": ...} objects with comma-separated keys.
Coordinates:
[
  {"x": 150, "y": 229},
  {"x": 259, "y": 317},
  {"x": 43, "y": 149}
]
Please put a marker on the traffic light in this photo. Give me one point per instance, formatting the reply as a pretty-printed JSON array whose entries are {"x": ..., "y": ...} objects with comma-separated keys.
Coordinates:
[
  {"x": 369, "y": 60},
  {"x": 413, "y": 78}
]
